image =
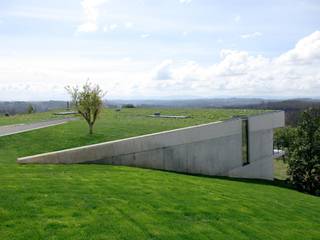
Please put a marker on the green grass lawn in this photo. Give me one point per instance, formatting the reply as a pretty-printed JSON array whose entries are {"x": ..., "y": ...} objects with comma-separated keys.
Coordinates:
[{"x": 113, "y": 202}]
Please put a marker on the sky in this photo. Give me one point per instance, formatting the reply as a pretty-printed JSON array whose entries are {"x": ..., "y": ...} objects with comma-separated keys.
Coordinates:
[{"x": 168, "y": 49}]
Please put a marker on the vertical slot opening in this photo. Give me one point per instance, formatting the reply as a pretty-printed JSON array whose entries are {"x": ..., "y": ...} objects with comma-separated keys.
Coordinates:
[{"x": 245, "y": 142}]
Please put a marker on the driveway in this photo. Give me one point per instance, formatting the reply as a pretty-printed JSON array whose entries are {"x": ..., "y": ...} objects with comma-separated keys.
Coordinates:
[{"x": 19, "y": 128}]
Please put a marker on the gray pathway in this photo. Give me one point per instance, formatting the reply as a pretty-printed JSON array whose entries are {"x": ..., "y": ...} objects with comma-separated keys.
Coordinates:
[{"x": 18, "y": 128}]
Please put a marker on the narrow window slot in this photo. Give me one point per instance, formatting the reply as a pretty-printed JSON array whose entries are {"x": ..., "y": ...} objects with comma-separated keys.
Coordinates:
[{"x": 245, "y": 142}]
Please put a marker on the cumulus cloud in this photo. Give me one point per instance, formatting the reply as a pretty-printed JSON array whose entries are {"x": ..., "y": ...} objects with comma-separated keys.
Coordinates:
[
  {"x": 251, "y": 35},
  {"x": 240, "y": 73},
  {"x": 163, "y": 70},
  {"x": 237, "y": 73},
  {"x": 306, "y": 51},
  {"x": 91, "y": 12},
  {"x": 47, "y": 76}
]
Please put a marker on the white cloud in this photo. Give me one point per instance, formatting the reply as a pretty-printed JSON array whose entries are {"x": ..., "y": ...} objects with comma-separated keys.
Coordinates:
[
  {"x": 128, "y": 24},
  {"x": 111, "y": 27},
  {"x": 114, "y": 26},
  {"x": 185, "y": 1},
  {"x": 145, "y": 35},
  {"x": 237, "y": 19},
  {"x": 185, "y": 33},
  {"x": 47, "y": 76},
  {"x": 306, "y": 51},
  {"x": 163, "y": 70},
  {"x": 43, "y": 13},
  {"x": 239, "y": 73},
  {"x": 91, "y": 12},
  {"x": 251, "y": 35},
  {"x": 88, "y": 27}
]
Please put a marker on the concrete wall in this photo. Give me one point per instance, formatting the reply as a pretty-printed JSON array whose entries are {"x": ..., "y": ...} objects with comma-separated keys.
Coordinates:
[
  {"x": 209, "y": 149},
  {"x": 260, "y": 146}
]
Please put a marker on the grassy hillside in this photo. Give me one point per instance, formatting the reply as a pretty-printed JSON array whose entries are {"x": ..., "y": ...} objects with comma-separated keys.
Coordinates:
[{"x": 111, "y": 202}]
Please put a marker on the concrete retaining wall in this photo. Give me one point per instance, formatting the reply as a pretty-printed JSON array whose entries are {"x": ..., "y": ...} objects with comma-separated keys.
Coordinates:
[{"x": 210, "y": 149}]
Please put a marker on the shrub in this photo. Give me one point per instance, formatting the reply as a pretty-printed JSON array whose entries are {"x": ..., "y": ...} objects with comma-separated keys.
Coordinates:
[
  {"x": 128, "y": 106},
  {"x": 304, "y": 162}
]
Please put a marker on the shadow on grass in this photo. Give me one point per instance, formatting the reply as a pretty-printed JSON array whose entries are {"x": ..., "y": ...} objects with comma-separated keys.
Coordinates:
[{"x": 275, "y": 182}]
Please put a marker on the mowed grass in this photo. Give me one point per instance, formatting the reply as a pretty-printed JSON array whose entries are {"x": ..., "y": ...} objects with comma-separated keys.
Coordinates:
[{"x": 112, "y": 202}]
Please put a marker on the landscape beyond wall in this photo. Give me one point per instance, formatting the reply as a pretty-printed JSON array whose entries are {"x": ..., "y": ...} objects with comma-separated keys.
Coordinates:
[{"x": 220, "y": 149}]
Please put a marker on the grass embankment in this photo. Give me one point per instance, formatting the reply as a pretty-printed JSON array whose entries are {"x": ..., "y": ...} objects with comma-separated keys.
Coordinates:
[{"x": 112, "y": 202}]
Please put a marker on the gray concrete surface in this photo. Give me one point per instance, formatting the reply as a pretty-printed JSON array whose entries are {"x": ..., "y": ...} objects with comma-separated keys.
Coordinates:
[
  {"x": 19, "y": 128},
  {"x": 209, "y": 149}
]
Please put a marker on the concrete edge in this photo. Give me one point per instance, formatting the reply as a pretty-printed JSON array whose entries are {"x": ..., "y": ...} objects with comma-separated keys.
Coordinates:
[{"x": 121, "y": 140}]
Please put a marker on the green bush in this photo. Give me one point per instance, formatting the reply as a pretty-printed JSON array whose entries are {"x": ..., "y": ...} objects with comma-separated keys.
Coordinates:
[
  {"x": 128, "y": 106},
  {"x": 304, "y": 161}
]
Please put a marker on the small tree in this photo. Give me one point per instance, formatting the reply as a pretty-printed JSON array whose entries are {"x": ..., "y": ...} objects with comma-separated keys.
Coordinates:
[
  {"x": 30, "y": 109},
  {"x": 304, "y": 162},
  {"x": 87, "y": 101}
]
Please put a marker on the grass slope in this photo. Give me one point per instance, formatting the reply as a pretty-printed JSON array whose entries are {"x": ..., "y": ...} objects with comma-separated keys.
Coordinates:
[{"x": 110, "y": 202}]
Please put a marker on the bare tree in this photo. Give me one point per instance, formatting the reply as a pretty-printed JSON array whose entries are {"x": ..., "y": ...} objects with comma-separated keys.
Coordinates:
[{"x": 88, "y": 102}]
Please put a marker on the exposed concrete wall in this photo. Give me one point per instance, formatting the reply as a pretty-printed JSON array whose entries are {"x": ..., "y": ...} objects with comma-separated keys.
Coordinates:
[
  {"x": 202, "y": 157},
  {"x": 210, "y": 149}
]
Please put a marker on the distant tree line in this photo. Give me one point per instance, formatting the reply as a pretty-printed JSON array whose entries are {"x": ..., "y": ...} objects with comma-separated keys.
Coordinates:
[
  {"x": 293, "y": 108},
  {"x": 128, "y": 105},
  {"x": 18, "y": 107}
]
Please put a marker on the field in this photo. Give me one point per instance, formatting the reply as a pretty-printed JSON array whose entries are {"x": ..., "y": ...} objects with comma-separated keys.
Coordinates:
[{"x": 113, "y": 202}]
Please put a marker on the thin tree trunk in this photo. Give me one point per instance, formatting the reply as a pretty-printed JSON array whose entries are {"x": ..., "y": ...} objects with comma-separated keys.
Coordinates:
[{"x": 90, "y": 128}]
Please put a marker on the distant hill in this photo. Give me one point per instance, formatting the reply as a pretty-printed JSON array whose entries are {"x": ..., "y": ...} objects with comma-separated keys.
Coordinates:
[
  {"x": 188, "y": 103},
  {"x": 22, "y": 107}
]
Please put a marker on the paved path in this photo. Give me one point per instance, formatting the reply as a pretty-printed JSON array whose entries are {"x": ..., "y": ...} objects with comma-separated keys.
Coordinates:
[{"x": 18, "y": 128}]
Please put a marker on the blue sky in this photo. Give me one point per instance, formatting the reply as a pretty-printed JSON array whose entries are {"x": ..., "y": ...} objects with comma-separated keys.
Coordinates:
[{"x": 160, "y": 49}]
